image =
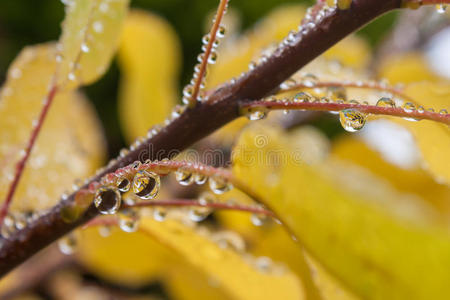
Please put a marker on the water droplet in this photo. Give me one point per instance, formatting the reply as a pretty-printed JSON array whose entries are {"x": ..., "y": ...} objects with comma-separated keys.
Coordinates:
[
  {"x": 205, "y": 39},
  {"x": 252, "y": 65},
  {"x": 259, "y": 219},
  {"x": 229, "y": 240},
  {"x": 97, "y": 26},
  {"x": 107, "y": 200},
  {"x": 160, "y": 214},
  {"x": 443, "y": 112},
  {"x": 146, "y": 184},
  {"x": 352, "y": 120},
  {"x": 257, "y": 113},
  {"x": 128, "y": 220},
  {"x": 184, "y": 177},
  {"x": 290, "y": 82},
  {"x": 123, "y": 184},
  {"x": 68, "y": 244},
  {"x": 337, "y": 92},
  {"x": 104, "y": 230},
  {"x": 84, "y": 48},
  {"x": 421, "y": 109},
  {"x": 409, "y": 107},
  {"x": 219, "y": 185},
  {"x": 199, "y": 213},
  {"x": 302, "y": 97},
  {"x": 441, "y": 8},
  {"x": 212, "y": 57},
  {"x": 353, "y": 102},
  {"x": 200, "y": 178},
  {"x": 263, "y": 263},
  {"x": 221, "y": 31},
  {"x": 309, "y": 80},
  {"x": 385, "y": 102},
  {"x": 71, "y": 76}
]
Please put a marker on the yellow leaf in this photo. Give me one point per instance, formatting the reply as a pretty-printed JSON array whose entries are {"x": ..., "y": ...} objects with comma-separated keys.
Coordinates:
[
  {"x": 70, "y": 144},
  {"x": 415, "y": 181},
  {"x": 234, "y": 274},
  {"x": 131, "y": 259},
  {"x": 90, "y": 34},
  {"x": 149, "y": 58},
  {"x": 380, "y": 243},
  {"x": 432, "y": 138},
  {"x": 406, "y": 68}
]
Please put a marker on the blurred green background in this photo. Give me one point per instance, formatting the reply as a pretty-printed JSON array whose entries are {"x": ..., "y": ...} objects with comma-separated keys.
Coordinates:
[{"x": 27, "y": 22}]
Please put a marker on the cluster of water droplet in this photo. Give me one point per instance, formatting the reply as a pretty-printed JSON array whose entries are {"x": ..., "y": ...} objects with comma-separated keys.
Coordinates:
[
  {"x": 351, "y": 118},
  {"x": 211, "y": 59},
  {"x": 17, "y": 221}
]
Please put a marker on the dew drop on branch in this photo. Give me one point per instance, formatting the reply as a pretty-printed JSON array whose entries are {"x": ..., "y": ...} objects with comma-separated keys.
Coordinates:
[
  {"x": 200, "y": 178},
  {"x": 123, "y": 184},
  {"x": 146, "y": 184},
  {"x": 128, "y": 220},
  {"x": 107, "y": 200},
  {"x": 160, "y": 214},
  {"x": 219, "y": 185},
  {"x": 352, "y": 120},
  {"x": 385, "y": 102},
  {"x": 184, "y": 177}
]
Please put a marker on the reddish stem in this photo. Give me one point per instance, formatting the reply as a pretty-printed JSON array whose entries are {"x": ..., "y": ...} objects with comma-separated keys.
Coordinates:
[
  {"x": 357, "y": 85},
  {"x": 215, "y": 205},
  {"x": 372, "y": 109},
  {"x": 212, "y": 37},
  {"x": 21, "y": 164}
]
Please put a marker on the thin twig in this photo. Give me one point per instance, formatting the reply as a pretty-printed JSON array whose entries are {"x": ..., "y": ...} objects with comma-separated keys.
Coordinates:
[
  {"x": 369, "y": 109},
  {"x": 350, "y": 84},
  {"x": 212, "y": 37},
  {"x": 21, "y": 164}
]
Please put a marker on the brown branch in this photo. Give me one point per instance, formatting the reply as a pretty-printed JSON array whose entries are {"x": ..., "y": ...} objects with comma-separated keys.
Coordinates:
[
  {"x": 368, "y": 109},
  {"x": 427, "y": 2},
  {"x": 198, "y": 122},
  {"x": 212, "y": 37}
]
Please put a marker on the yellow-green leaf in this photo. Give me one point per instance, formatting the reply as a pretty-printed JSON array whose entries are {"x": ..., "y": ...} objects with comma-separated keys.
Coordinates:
[
  {"x": 90, "y": 34},
  {"x": 70, "y": 145},
  {"x": 232, "y": 272},
  {"x": 149, "y": 59},
  {"x": 380, "y": 243}
]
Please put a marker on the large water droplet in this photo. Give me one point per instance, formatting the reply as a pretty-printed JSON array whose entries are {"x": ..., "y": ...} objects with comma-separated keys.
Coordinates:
[
  {"x": 146, "y": 184},
  {"x": 107, "y": 200},
  {"x": 352, "y": 120},
  {"x": 219, "y": 185},
  {"x": 385, "y": 102},
  {"x": 212, "y": 59},
  {"x": 128, "y": 220}
]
